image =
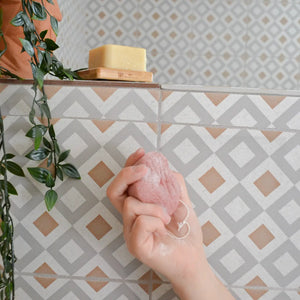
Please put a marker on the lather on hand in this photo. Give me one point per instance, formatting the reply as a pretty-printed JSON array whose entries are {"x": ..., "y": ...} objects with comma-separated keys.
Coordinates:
[{"x": 146, "y": 227}]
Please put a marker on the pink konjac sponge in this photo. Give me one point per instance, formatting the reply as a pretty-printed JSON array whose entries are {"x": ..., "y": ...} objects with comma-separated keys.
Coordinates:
[{"x": 159, "y": 185}]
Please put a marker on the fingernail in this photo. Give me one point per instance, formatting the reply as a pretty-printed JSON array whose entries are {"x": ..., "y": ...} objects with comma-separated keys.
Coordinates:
[{"x": 138, "y": 151}]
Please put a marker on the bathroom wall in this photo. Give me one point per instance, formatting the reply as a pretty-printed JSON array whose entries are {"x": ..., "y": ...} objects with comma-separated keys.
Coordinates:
[
  {"x": 238, "y": 152},
  {"x": 236, "y": 43}
]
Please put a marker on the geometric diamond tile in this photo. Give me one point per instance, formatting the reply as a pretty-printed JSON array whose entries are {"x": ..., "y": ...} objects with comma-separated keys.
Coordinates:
[
  {"x": 271, "y": 135},
  {"x": 272, "y": 100},
  {"x": 98, "y": 227},
  {"x": 71, "y": 251},
  {"x": 261, "y": 236},
  {"x": 243, "y": 118},
  {"x": 76, "y": 143},
  {"x": 101, "y": 173},
  {"x": 232, "y": 261},
  {"x": 267, "y": 183},
  {"x": 215, "y": 132},
  {"x": 285, "y": 264},
  {"x": 73, "y": 199},
  {"x": 210, "y": 233},
  {"x": 189, "y": 150},
  {"x": 290, "y": 212},
  {"x": 21, "y": 247},
  {"x": 256, "y": 294},
  {"x": 123, "y": 255},
  {"x": 293, "y": 158},
  {"x": 237, "y": 208},
  {"x": 97, "y": 285},
  {"x": 103, "y": 125},
  {"x": 211, "y": 180},
  {"x": 44, "y": 269},
  {"x": 147, "y": 278},
  {"x": 241, "y": 154},
  {"x": 216, "y": 98},
  {"x": 45, "y": 223}
]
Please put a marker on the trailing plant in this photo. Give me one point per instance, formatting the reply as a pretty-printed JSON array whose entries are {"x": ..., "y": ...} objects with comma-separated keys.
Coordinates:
[
  {"x": 46, "y": 147},
  {"x": 43, "y": 62},
  {"x": 6, "y": 225}
]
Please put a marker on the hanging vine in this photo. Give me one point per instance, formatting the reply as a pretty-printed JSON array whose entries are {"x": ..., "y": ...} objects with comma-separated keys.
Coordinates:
[
  {"x": 46, "y": 147},
  {"x": 43, "y": 62}
]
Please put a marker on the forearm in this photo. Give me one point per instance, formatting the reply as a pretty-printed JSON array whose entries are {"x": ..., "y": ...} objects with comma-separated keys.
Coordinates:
[{"x": 201, "y": 284}]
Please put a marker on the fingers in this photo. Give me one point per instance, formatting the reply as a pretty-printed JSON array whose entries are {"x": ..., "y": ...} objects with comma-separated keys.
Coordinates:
[
  {"x": 117, "y": 190},
  {"x": 134, "y": 208},
  {"x": 184, "y": 193},
  {"x": 141, "y": 241},
  {"x": 134, "y": 157}
]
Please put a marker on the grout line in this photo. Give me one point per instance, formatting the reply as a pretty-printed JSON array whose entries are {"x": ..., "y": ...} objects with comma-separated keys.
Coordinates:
[
  {"x": 230, "y": 90},
  {"x": 158, "y": 143},
  {"x": 232, "y": 127},
  {"x": 151, "y": 281}
]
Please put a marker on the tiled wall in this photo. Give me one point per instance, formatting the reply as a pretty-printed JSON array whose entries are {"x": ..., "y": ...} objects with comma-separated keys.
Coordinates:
[
  {"x": 239, "y": 154},
  {"x": 237, "y": 43}
]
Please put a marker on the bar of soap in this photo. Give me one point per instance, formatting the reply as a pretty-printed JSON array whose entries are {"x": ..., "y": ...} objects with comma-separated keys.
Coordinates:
[
  {"x": 159, "y": 185},
  {"x": 118, "y": 57}
]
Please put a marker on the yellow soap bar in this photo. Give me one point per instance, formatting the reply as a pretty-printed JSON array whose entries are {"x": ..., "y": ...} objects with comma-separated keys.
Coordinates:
[{"x": 118, "y": 57}]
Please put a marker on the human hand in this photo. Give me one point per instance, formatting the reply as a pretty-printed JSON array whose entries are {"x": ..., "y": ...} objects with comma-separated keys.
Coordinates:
[
  {"x": 146, "y": 232},
  {"x": 146, "y": 226}
]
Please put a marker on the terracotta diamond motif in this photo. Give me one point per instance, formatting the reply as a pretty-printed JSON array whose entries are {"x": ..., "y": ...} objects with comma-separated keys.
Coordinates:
[
  {"x": 215, "y": 132},
  {"x": 272, "y": 100},
  {"x": 216, "y": 98},
  {"x": 103, "y": 125},
  {"x": 267, "y": 183},
  {"x": 210, "y": 233},
  {"x": 261, "y": 237},
  {"x": 97, "y": 285},
  {"x": 45, "y": 224},
  {"x": 256, "y": 293},
  {"x": 98, "y": 227},
  {"x": 101, "y": 174},
  {"x": 147, "y": 277},
  {"x": 44, "y": 281},
  {"x": 212, "y": 180},
  {"x": 271, "y": 135}
]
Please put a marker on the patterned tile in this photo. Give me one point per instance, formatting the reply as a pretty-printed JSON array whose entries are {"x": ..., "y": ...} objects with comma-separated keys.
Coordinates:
[
  {"x": 247, "y": 201},
  {"x": 258, "y": 111}
]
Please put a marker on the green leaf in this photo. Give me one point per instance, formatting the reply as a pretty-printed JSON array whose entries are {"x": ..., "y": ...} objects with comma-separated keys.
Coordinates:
[
  {"x": 39, "y": 76},
  {"x": 18, "y": 19},
  {"x": 27, "y": 46},
  {"x": 43, "y": 34},
  {"x": 59, "y": 173},
  {"x": 10, "y": 188},
  {"x": 50, "y": 1},
  {"x": 39, "y": 174},
  {"x": 14, "y": 168},
  {"x": 54, "y": 24},
  {"x": 49, "y": 161},
  {"x": 8, "y": 156},
  {"x": 56, "y": 147},
  {"x": 47, "y": 143},
  {"x": 70, "y": 171},
  {"x": 52, "y": 132},
  {"x": 31, "y": 116},
  {"x": 46, "y": 110},
  {"x": 50, "y": 181},
  {"x": 39, "y": 11},
  {"x": 39, "y": 154},
  {"x": 63, "y": 156},
  {"x": 36, "y": 130},
  {"x": 37, "y": 140},
  {"x": 51, "y": 45},
  {"x": 50, "y": 199}
]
